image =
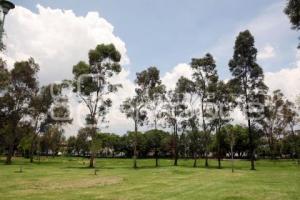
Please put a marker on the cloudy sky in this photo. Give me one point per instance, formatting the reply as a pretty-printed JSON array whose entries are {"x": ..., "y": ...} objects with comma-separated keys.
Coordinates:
[{"x": 166, "y": 34}]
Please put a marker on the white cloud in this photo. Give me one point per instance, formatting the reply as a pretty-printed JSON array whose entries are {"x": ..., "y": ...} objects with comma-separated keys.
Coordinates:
[
  {"x": 267, "y": 52},
  {"x": 170, "y": 78},
  {"x": 57, "y": 39},
  {"x": 287, "y": 80}
]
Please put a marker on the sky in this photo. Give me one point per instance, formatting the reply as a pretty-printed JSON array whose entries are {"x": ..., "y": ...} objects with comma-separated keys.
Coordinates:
[{"x": 165, "y": 34}]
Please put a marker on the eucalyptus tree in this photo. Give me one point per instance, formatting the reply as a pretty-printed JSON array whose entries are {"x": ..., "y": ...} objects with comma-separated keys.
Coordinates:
[
  {"x": 292, "y": 10},
  {"x": 205, "y": 78},
  {"x": 189, "y": 91},
  {"x": 274, "y": 122},
  {"x": 135, "y": 109},
  {"x": 17, "y": 88},
  {"x": 195, "y": 144},
  {"x": 149, "y": 81},
  {"x": 92, "y": 82},
  {"x": 248, "y": 83},
  {"x": 173, "y": 112},
  {"x": 291, "y": 118},
  {"x": 223, "y": 102},
  {"x": 46, "y": 108}
]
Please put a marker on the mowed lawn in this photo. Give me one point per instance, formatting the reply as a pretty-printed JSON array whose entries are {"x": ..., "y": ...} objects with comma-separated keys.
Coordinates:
[{"x": 69, "y": 178}]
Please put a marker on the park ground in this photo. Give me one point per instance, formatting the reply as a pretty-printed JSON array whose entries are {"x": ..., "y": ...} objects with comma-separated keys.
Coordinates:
[{"x": 70, "y": 178}]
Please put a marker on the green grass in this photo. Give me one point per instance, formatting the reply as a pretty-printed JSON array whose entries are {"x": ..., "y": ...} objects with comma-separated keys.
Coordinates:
[{"x": 69, "y": 178}]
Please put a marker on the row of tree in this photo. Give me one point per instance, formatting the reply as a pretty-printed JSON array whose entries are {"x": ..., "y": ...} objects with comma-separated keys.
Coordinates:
[
  {"x": 199, "y": 109},
  {"x": 203, "y": 104},
  {"x": 231, "y": 142}
]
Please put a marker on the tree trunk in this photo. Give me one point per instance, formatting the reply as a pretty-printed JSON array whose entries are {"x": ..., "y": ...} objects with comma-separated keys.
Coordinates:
[
  {"x": 219, "y": 155},
  {"x": 92, "y": 160},
  {"x": 135, "y": 146},
  {"x": 219, "y": 162},
  {"x": 175, "y": 151},
  {"x": 206, "y": 159},
  {"x": 251, "y": 150},
  {"x": 156, "y": 158},
  {"x": 10, "y": 154},
  {"x": 232, "y": 167},
  {"x": 31, "y": 151},
  {"x": 195, "y": 161}
]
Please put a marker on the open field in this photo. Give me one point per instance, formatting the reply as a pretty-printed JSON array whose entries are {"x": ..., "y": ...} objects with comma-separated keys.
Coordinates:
[{"x": 68, "y": 178}]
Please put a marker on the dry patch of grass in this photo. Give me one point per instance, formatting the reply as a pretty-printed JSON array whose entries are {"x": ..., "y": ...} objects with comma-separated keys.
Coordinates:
[{"x": 48, "y": 185}]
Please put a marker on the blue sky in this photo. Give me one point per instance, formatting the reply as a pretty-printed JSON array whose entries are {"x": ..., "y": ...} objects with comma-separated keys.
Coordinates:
[{"x": 165, "y": 33}]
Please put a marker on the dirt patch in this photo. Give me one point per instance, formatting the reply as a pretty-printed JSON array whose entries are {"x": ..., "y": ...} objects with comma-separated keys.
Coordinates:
[{"x": 74, "y": 184}]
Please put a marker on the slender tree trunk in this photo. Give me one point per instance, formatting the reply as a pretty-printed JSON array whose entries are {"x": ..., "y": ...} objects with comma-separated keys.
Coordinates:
[
  {"x": 219, "y": 150},
  {"x": 206, "y": 136},
  {"x": 156, "y": 158},
  {"x": 195, "y": 160},
  {"x": 32, "y": 150},
  {"x": 252, "y": 153},
  {"x": 10, "y": 154},
  {"x": 175, "y": 146},
  {"x": 206, "y": 159},
  {"x": 92, "y": 158},
  {"x": 135, "y": 145},
  {"x": 232, "y": 161}
]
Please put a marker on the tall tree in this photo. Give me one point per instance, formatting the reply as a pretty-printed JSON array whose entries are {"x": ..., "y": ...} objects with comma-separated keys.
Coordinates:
[
  {"x": 292, "y": 10},
  {"x": 92, "y": 82},
  {"x": 291, "y": 119},
  {"x": 248, "y": 82},
  {"x": 19, "y": 86},
  {"x": 275, "y": 121},
  {"x": 188, "y": 89},
  {"x": 173, "y": 112},
  {"x": 134, "y": 108},
  {"x": 44, "y": 101},
  {"x": 205, "y": 78},
  {"x": 222, "y": 103}
]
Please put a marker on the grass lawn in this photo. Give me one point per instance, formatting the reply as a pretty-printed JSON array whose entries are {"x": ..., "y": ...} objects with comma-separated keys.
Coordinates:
[{"x": 69, "y": 178}]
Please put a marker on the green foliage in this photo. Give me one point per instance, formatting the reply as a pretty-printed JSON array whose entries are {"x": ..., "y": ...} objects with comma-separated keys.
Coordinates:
[
  {"x": 293, "y": 11},
  {"x": 248, "y": 83}
]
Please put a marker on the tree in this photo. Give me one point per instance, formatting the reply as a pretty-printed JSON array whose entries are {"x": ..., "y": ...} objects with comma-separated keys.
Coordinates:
[
  {"x": 292, "y": 10},
  {"x": 205, "y": 78},
  {"x": 220, "y": 145},
  {"x": 173, "y": 112},
  {"x": 222, "y": 103},
  {"x": 291, "y": 119},
  {"x": 134, "y": 108},
  {"x": 92, "y": 84},
  {"x": 196, "y": 144},
  {"x": 149, "y": 81},
  {"x": 274, "y": 122},
  {"x": 82, "y": 141},
  {"x": 71, "y": 145},
  {"x": 42, "y": 104},
  {"x": 17, "y": 88},
  {"x": 189, "y": 90},
  {"x": 248, "y": 82}
]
